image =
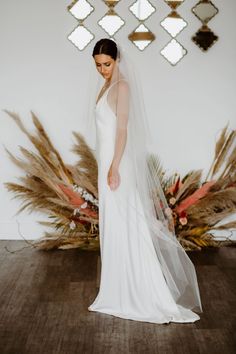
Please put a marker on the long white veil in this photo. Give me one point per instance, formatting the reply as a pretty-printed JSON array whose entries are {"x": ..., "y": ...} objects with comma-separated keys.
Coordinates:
[{"x": 177, "y": 268}]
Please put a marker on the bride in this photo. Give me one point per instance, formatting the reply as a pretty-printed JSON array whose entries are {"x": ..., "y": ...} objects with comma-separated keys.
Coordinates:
[{"x": 146, "y": 274}]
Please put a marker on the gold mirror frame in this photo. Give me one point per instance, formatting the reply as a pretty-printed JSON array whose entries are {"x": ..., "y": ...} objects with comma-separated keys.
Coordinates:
[
  {"x": 175, "y": 16},
  {"x": 73, "y": 5},
  {"x": 111, "y": 15},
  {"x": 173, "y": 51},
  {"x": 141, "y": 36},
  {"x": 142, "y": 17},
  {"x": 80, "y": 32},
  {"x": 205, "y": 38},
  {"x": 174, "y": 3},
  {"x": 175, "y": 57},
  {"x": 202, "y": 6}
]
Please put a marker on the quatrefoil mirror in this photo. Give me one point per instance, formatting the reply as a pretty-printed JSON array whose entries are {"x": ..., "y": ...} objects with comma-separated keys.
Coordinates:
[
  {"x": 173, "y": 23},
  {"x": 141, "y": 37},
  {"x": 142, "y": 9},
  {"x": 205, "y": 10},
  {"x": 173, "y": 52},
  {"x": 80, "y": 9},
  {"x": 80, "y": 36},
  {"x": 111, "y": 22},
  {"x": 204, "y": 38}
]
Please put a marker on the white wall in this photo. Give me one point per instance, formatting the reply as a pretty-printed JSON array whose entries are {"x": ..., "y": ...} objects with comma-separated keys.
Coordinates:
[{"x": 41, "y": 70}]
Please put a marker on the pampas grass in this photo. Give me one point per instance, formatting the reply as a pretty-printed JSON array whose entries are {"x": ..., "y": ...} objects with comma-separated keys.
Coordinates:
[
  {"x": 67, "y": 193},
  {"x": 48, "y": 186},
  {"x": 198, "y": 206}
]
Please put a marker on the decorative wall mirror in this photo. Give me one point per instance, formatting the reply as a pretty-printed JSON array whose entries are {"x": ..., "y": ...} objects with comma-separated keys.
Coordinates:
[
  {"x": 141, "y": 37},
  {"x": 173, "y": 23},
  {"x": 205, "y": 10},
  {"x": 142, "y": 9},
  {"x": 80, "y": 36},
  {"x": 80, "y": 9},
  {"x": 173, "y": 52},
  {"x": 204, "y": 38},
  {"x": 111, "y": 22}
]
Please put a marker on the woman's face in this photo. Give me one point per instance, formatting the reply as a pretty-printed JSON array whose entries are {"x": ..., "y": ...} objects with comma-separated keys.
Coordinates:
[{"x": 105, "y": 65}]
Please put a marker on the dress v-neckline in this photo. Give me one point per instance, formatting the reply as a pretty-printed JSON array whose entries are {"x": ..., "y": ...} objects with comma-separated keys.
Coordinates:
[
  {"x": 104, "y": 94},
  {"x": 107, "y": 91}
]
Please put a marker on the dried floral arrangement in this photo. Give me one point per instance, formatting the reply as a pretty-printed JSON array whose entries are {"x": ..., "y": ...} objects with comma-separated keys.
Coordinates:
[
  {"x": 69, "y": 196},
  {"x": 198, "y": 206}
]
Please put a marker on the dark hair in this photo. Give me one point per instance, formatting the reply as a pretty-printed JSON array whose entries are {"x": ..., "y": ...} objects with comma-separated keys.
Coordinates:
[{"x": 105, "y": 46}]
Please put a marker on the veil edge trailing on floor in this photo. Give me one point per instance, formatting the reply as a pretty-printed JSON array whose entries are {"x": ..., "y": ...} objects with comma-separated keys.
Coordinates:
[{"x": 177, "y": 268}]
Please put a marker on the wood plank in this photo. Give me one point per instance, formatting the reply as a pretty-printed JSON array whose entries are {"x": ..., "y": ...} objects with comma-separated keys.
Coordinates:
[{"x": 44, "y": 298}]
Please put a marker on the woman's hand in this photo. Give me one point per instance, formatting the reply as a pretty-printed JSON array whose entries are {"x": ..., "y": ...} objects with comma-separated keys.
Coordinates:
[{"x": 113, "y": 178}]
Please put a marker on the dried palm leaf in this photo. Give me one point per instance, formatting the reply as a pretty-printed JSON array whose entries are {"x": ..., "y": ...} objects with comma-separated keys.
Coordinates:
[
  {"x": 206, "y": 240},
  {"x": 168, "y": 182},
  {"x": 155, "y": 167},
  {"x": 213, "y": 207},
  {"x": 189, "y": 245},
  {"x": 193, "y": 231},
  {"x": 190, "y": 184},
  {"x": 229, "y": 225},
  {"x": 221, "y": 184}
]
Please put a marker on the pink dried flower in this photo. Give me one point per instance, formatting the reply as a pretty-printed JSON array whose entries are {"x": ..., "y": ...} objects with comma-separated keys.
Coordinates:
[
  {"x": 172, "y": 201},
  {"x": 183, "y": 221}
]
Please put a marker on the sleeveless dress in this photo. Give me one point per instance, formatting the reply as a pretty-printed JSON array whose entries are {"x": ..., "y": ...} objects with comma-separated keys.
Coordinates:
[{"x": 132, "y": 285}]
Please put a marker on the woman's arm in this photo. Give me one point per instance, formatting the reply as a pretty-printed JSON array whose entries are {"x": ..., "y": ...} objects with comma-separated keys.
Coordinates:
[{"x": 121, "y": 104}]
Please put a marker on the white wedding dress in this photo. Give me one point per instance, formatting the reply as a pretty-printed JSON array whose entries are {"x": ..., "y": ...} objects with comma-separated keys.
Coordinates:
[{"x": 132, "y": 284}]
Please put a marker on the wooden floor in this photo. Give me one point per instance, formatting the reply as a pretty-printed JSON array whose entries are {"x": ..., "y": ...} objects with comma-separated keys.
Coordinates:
[{"x": 44, "y": 298}]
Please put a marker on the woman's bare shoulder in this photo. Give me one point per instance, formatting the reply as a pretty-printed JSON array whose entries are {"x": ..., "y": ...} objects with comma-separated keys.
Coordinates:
[
  {"x": 120, "y": 87},
  {"x": 123, "y": 85}
]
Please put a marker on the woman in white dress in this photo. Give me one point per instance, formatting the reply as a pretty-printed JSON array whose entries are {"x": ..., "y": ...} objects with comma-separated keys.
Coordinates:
[{"x": 145, "y": 273}]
